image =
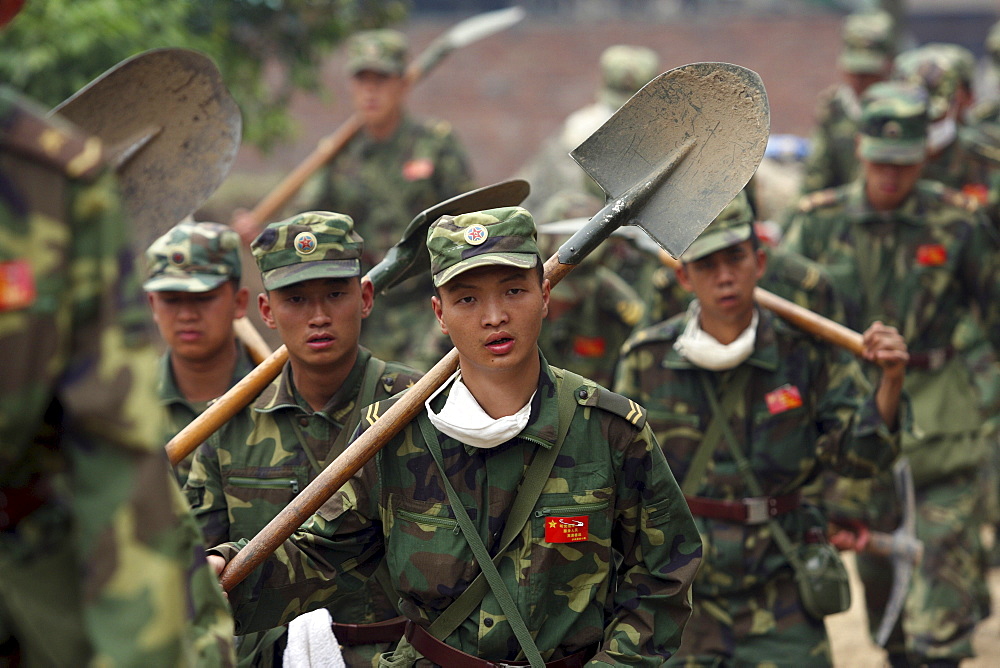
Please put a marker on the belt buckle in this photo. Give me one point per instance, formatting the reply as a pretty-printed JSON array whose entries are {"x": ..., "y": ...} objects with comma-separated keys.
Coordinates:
[{"x": 757, "y": 509}]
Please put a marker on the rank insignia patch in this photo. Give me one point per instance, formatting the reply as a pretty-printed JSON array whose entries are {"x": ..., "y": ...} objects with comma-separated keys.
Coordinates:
[
  {"x": 17, "y": 285},
  {"x": 931, "y": 255}
]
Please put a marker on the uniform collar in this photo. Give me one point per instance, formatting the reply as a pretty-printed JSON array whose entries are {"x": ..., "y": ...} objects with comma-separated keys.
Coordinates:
[
  {"x": 281, "y": 394},
  {"x": 910, "y": 211},
  {"x": 167, "y": 388}
]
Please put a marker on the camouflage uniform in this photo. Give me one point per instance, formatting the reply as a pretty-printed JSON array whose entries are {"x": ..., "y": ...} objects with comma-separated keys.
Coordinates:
[
  {"x": 624, "y": 70},
  {"x": 919, "y": 268},
  {"x": 867, "y": 48},
  {"x": 249, "y": 470},
  {"x": 382, "y": 185},
  {"x": 806, "y": 406},
  {"x": 623, "y": 584},
  {"x": 100, "y": 562},
  {"x": 191, "y": 257}
]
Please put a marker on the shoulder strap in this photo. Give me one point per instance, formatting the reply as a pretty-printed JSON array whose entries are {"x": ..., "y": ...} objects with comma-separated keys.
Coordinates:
[
  {"x": 780, "y": 537},
  {"x": 366, "y": 396},
  {"x": 720, "y": 417},
  {"x": 529, "y": 493}
]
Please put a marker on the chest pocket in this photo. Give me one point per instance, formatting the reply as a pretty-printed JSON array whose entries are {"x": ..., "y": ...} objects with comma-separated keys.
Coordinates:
[
  {"x": 427, "y": 555},
  {"x": 561, "y": 572},
  {"x": 254, "y": 495}
]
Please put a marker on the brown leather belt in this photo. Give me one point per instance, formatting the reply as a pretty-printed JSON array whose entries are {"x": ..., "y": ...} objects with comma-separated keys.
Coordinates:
[
  {"x": 444, "y": 654},
  {"x": 931, "y": 360},
  {"x": 390, "y": 630},
  {"x": 752, "y": 510},
  {"x": 16, "y": 503}
]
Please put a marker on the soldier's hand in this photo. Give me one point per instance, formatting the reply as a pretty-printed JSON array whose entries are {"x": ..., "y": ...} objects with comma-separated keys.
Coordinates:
[
  {"x": 245, "y": 224},
  {"x": 217, "y": 564},
  {"x": 885, "y": 346}
]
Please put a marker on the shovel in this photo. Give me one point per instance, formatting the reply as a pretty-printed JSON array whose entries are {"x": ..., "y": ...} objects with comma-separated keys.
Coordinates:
[
  {"x": 398, "y": 263},
  {"x": 695, "y": 134},
  {"x": 171, "y": 130}
]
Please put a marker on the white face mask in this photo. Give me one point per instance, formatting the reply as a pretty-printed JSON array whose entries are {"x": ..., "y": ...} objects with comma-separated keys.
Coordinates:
[
  {"x": 704, "y": 350},
  {"x": 463, "y": 419},
  {"x": 941, "y": 133}
]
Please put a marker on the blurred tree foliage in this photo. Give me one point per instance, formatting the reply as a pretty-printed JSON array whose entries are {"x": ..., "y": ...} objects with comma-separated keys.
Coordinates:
[{"x": 264, "y": 48}]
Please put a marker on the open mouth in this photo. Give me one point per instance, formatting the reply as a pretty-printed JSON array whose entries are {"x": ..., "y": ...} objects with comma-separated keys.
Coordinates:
[
  {"x": 500, "y": 344},
  {"x": 321, "y": 341}
]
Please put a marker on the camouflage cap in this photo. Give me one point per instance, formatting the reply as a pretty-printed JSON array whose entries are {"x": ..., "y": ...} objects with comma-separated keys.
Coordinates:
[
  {"x": 382, "y": 51},
  {"x": 940, "y": 68},
  {"x": 867, "y": 43},
  {"x": 314, "y": 244},
  {"x": 624, "y": 70},
  {"x": 193, "y": 257},
  {"x": 493, "y": 237},
  {"x": 894, "y": 123},
  {"x": 733, "y": 226}
]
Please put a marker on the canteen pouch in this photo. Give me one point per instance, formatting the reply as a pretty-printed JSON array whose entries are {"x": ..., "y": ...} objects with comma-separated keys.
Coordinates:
[{"x": 822, "y": 579}]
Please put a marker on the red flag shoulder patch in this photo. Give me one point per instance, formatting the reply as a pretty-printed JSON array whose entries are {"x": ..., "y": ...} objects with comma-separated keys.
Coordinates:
[
  {"x": 566, "y": 529},
  {"x": 785, "y": 398},
  {"x": 589, "y": 346},
  {"x": 931, "y": 255},
  {"x": 17, "y": 285},
  {"x": 417, "y": 169}
]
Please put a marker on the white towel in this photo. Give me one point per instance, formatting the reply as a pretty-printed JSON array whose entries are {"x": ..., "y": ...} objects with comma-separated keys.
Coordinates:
[{"x": 311, "y": 642}]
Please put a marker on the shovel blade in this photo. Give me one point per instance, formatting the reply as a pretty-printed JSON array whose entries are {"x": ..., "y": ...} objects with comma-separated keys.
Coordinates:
[
  {"x": 175, "y": 129},
  {"x": 719, "y": 107}
]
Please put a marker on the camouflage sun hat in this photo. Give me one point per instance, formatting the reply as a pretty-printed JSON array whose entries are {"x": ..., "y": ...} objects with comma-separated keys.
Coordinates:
[
  {"x": 493, "y": 237},
  {"x": 867, "y": 43},
  {"x": 894, "y": 123},
  {"x": 382, "y": 51},
  {"x": 193, "y": 257},
  {"x": 624, "y": 70},
  {"x": 940, "y": 68},
  {"x": 315, "y": 244},
  {"x": 733, "y": 226}
]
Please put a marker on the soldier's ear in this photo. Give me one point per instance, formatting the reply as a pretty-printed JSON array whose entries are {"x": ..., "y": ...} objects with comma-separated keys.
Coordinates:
[
  {"x": 436, "y": 305},
  {"x": 264, "y": 306},
  {"x": 242, "y": 299},
  {"x": 681, "y": 272},
  {"x": 367, "y": 297}
]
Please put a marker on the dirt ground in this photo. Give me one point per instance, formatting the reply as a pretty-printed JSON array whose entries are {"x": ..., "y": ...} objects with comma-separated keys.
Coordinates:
[{"x": 853, "y": 648}]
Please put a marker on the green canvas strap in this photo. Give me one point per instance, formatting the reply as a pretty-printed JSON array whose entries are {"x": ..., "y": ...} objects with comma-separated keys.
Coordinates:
[
  {"x": 366, "y": 396},
  {"x": 699, "y": 463},
  {"x": 524, "y": 502},
  {"x": 743, "y": 465}
]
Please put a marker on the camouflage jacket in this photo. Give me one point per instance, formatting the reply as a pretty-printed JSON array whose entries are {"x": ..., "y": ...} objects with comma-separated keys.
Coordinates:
[
  {"x": 78, "y": 366},
  {"x": 383, "y": 185},
  {"x": 920, "y": 269},
  {"x": 806, "y": 406},
  {"x": 626, "y": 586},
  {"x": 831, "y": 161},
  {"x": 591, "y": 313},
  {"x": 249, "y": 470},
  {"x": 179, "y": 412}
]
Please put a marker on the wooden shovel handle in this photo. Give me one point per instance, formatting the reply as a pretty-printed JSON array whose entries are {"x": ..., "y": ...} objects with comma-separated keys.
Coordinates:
[
  {"x": 225, "y": 407},
  {"x": 251, "y": 338},
  {"x": 806, "y": 320}
]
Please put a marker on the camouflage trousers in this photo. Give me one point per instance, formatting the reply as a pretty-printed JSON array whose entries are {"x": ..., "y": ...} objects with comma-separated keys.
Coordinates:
[
  {"x": 948, "y": 594},
  {"x": 40, "y": 610},
  {"x": 765, "y": 627}
]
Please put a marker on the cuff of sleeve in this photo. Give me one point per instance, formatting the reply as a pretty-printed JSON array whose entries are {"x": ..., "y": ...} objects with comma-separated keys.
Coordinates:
[{"x": 227, "y": 550}]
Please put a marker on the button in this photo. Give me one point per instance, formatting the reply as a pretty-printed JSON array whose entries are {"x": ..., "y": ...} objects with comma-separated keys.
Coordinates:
[
  {"x": 304, "y": 421},
  {"x": 583, "y": 394},
  {"x": 488, "y": 622}
]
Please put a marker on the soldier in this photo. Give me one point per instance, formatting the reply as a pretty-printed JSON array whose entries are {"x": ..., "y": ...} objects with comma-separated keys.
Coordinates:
[
  {"x": 395, "y": 167},
  {"x": 565, "y": 482},
  {"x": 865, "y": 58},
  {"x": 193, "y": 288},
  {"x": 790, "y": 406},
  {"x": 251, "y": 468},
  {"x": 917, "y": 256},
  {"x": 624, "y": 70},
  {"x": 100, "y": 561}
]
